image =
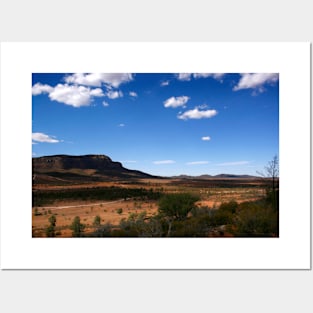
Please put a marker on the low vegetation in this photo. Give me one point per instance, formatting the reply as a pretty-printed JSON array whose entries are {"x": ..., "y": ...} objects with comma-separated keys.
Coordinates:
[
  {"x": 175, "y": 215},
  {"x": 50, "y": 230},
  {"x": 190, "y": 208},
  {"x": 77, "y": 227},
  {"x": 45, "y": 197},
  {"x": 176, "y": 218}
]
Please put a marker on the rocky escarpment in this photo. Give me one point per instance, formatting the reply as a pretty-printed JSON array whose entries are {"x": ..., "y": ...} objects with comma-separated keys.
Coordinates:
[{"x": 83, "y": 167}]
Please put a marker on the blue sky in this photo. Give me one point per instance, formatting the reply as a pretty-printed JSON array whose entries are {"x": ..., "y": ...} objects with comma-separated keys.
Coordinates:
[{"x": 160, "y": 123}]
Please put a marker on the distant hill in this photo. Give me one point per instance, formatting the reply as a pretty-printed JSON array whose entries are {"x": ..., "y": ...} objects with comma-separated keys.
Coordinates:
[
  {"x": 235, "y": 176},
  {"x": 69, "y": 168},
  {"x": 226, "y": 176}
]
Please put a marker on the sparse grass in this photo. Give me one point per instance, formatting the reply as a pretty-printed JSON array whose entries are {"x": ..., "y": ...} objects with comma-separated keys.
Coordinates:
[{"x": 211, "y": 197}]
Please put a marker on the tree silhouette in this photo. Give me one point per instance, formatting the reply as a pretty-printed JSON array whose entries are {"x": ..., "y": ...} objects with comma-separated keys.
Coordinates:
[{"x": 271, "y": 172}]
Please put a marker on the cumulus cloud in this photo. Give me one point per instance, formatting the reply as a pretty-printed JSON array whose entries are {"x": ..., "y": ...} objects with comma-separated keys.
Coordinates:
[
  {"x": 196, "y": 114},
  {"x": 175, "y": 102},
  {"x": 38, "y": 89},
  {"x": 197, "y": 162},
  {"x": 114, "y": 94},
  {"x": 188, "y": 76},
  {"x": 73, "y": 95},
  {"x": 164, "y": 162},
  {"x": 105, "y": 104},
  {"x": 217, "y": 76},
  {"x": 133, "y": 94},
  {"x": 184, "y": 76},
  {"x": 256, "y": 81},
  {"x": 96, "y": 79},
  {"x": 201, "y": 75},
  {"x": 97, "y": 92},
  {"x": 41, "y": 137},
  {"x": 206, "y": 138}
]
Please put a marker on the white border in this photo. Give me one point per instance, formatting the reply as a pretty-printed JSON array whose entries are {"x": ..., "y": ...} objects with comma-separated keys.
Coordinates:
[{"x": 290, "y": 251}]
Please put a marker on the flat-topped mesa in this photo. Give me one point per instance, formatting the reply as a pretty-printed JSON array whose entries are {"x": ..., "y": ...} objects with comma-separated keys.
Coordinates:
[
  {"x": 87, "y": 165},
  {"x": 65, "y": 162}
]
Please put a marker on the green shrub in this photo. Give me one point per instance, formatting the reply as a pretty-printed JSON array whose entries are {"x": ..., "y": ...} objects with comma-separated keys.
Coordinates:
[
  {"x": 230, "y": 206},
  {"x": 76, "y": 227},
  {"x": 139, "y": 225},
  {"x": 192, "y": 227},
  {"x": 177, "y": 206},
  {"x": 97, "y": 221},
  {"x": 103, "y": 230},
  {"x": 256, "y": 219},
  {"x": 50, "y": 230},
  {"x": 221, "y": 217}
]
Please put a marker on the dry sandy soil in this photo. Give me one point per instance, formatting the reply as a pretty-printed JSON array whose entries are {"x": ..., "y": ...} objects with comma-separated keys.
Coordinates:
[{"x": 108, "y": 211}]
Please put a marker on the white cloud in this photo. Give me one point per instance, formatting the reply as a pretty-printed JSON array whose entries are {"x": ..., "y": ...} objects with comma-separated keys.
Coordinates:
[
  {"x": 93, "y": 79},
  {"x": 165, "y": 83},
  {"x": 41, "y": 137},
  {"x": 184, "y": 76},
  {"x": 175, "y": 102},
  {"x": 233, "y": 163},
  {"x": 206, "y": 138},
  {"x": 121, "y": 125},
  {"x": 114, "y": 94},
  {"x": 197, "y": 162},
  {"x": 197, "y": 114},
  {"x": 105, "y": 104},
  {"x": 73, "y": 95},
  {"x": 96, "y": 79},
  {"x": 201, "y": 75},
  {"x": 38, "y": 89},
  {"x": 164, "y": 162},
  {"x": 256, "y": 81},
  {"x": 133, "y": 94},
  {"x": 217, "y": 76},
  {"x": 188, "y": 76},
  {"x": 97, "y": 92}
]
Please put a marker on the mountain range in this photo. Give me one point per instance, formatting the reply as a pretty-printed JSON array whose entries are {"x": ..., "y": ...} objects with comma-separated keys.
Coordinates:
[{"x": 96, "y": 167}]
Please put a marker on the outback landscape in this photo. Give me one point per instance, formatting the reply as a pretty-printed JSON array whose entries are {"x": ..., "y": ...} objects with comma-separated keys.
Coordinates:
[
  {"x": 155, "y": 155},
  {"x": 92, "y": 196}
]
